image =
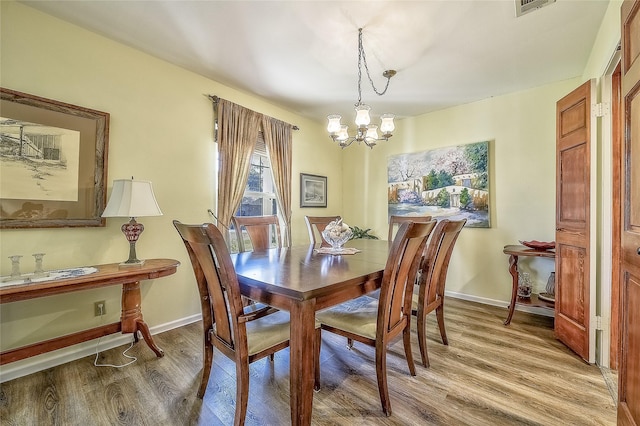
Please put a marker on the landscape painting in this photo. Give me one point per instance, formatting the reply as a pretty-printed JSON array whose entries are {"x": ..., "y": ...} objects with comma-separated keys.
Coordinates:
[
  {"x": 451, "y": 183},
  {"x": 313, "y": 190}
]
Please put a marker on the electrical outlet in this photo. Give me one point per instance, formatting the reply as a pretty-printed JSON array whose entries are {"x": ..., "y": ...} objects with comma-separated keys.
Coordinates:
[{"x": 99, "y": 308}]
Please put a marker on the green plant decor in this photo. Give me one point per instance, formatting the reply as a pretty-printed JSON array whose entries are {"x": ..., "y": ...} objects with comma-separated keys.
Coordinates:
[{"x": 362, "y": 233}]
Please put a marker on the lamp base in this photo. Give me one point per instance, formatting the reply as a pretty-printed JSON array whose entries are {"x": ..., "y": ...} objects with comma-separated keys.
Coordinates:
[
  {"x": 128, "y": 264},
  {"x": 132, "y": 231}
]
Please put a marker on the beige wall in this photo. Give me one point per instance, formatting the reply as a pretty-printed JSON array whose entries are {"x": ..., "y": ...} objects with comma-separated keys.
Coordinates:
[{"x": 161, "y": 130}]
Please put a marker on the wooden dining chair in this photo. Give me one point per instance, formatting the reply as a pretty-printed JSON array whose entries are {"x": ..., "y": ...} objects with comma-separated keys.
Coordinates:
[
  {"x": 395, "y": 222},
  {"x": 316, "y": 224},
  {"x": 243, "y": 334},
  {"x": 435, "y": 265},
  {"x": 262, "y": 230},
  {"x": 384, "y": 319}
]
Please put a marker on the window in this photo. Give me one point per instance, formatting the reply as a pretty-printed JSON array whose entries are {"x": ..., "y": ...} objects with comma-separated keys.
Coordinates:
[{"x": 259, "y": 195}]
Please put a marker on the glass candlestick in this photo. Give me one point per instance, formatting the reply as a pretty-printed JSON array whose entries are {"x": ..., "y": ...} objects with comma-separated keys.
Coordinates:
[
  {"x": 38, "y": 271},
  {"x": 15, "y": 266}
]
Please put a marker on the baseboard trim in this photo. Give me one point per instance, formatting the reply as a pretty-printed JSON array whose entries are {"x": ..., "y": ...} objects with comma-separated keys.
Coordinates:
[
  {"x": 61, "y": 356},
  {"x": 499, "y": 303}
]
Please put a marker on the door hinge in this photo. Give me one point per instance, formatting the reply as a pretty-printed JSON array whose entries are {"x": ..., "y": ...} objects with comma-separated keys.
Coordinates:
[
  {"x": 598, "y": 323},
  {"x": 600, "y": 109}
]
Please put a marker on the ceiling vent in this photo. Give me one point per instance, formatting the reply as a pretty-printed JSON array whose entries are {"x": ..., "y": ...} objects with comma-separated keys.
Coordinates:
[{"x": 526, "y": 6}]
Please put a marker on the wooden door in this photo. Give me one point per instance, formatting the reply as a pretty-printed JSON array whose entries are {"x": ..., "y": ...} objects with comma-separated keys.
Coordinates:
[
  {"x": 573, "y": 217},
  {"x": 629, "y": 373}
]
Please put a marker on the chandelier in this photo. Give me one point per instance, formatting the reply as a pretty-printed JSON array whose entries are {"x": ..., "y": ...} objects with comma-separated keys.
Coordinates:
[{"x": 365, "y": 132}]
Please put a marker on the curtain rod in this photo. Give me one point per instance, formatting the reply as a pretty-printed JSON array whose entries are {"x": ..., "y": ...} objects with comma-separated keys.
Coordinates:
[{"x": 215, "y": 100}]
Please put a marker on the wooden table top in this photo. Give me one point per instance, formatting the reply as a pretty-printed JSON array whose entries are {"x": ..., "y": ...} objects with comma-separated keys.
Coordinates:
[
  {"x": 107, "y": 274},
  {"x": 300, "y": 273}
]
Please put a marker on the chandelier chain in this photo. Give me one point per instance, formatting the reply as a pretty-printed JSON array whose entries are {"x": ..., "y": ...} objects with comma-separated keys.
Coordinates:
[{"x": 362, "y": 57}]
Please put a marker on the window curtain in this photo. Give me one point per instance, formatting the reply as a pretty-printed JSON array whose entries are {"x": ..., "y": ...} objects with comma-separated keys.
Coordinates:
[
  {"x": 237, "y": 135},
  {"x": 278, "y": 140}
]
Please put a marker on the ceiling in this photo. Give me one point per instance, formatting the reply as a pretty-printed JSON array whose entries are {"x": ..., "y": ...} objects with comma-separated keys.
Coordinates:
[{"x": 302, "y": 55}]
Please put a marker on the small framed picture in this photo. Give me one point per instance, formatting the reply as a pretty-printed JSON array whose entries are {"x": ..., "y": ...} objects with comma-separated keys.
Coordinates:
[{"x": 313, "y": 190}]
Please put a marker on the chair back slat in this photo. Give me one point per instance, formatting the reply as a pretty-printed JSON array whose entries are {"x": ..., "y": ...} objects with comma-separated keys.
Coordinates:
[
  {"x": 394, "y": 308},
  {"x": 261, "y": 229},
  {"x": 319, "y": 223},
  {"x": 216, "y": 278},
  {"x": 396, "y": 221},
  {"x": 436, "y": 261}
]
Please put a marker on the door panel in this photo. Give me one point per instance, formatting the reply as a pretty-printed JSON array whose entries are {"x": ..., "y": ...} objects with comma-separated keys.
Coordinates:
[
  {"x": 571, "y": 316},
  {"x": 629, "y": 373},
  {"x": 573, "y": 198}
]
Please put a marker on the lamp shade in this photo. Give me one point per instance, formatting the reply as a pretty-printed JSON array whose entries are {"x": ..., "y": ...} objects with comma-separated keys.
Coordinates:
[
  {"x": 372, "y": 132},
  {"x": 132, "y": 198},
  {"x": 362, "y": 115},
  {"x": 333, "y": 126},
  {"x": 386, "y": 125},
  {"x": 343, "y": 134}
]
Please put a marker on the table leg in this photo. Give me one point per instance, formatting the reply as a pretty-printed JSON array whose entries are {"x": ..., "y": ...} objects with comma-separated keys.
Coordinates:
[
  {"x": 513, "y": 270},
  {"x": 131, "y": 316},
  {"x": 302, "y": 366}
]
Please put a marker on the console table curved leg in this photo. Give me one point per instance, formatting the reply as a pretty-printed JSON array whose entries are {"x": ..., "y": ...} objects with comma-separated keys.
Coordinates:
[
  {"x": 144, "y": 329},
  {"x": 513, "y": 270},
  {"x": 131, "y": 317}
]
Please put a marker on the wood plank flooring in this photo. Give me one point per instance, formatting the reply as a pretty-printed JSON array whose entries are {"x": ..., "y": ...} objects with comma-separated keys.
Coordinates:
[{"x": 488, "y": 375}]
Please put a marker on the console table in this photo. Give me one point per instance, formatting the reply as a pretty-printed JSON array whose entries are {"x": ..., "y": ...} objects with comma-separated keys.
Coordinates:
[
  {"x": 110, "y": 274},
  {"x": 514, "y": 251}
]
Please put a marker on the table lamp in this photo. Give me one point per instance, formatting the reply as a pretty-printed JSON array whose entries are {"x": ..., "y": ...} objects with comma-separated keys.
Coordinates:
[{"x": 132, "y": 198}]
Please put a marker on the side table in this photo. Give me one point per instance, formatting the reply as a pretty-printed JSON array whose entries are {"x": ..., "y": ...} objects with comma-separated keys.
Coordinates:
[{"x": 514, "y": 251}]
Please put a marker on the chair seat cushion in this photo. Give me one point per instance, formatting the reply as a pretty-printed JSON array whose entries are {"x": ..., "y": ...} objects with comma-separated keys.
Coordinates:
[
  {"x": 268, "y": 331},
  {"x": 358, "y": 316}
]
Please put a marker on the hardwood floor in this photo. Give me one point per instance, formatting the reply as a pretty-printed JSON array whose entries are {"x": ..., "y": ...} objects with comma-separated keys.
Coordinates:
[{"x": 488, "y": 375}]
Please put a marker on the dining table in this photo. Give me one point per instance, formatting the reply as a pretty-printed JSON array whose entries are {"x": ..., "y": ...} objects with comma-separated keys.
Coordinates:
[{"x": 302, "y": 281}]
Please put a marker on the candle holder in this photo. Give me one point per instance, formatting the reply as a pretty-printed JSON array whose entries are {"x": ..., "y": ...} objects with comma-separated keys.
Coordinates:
[
  {"x": 38, "y": 271},
  {"x": 15, "y": 266}
]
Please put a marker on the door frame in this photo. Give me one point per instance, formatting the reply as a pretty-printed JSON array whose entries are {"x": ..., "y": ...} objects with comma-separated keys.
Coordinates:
[{"x": 607, "y": 300}]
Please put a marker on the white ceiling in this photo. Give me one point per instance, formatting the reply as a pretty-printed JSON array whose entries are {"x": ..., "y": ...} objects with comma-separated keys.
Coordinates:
[{"x": 302, "y": 55}]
